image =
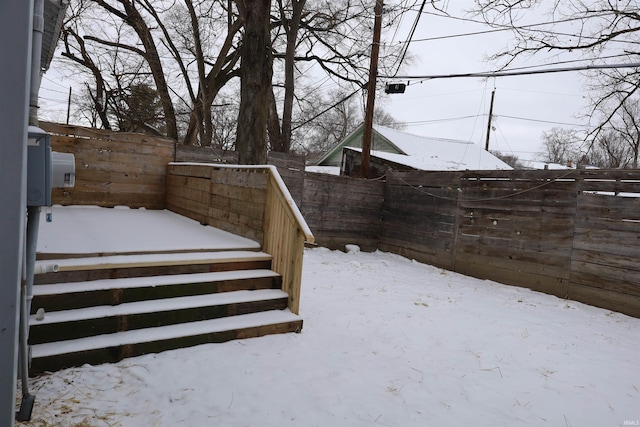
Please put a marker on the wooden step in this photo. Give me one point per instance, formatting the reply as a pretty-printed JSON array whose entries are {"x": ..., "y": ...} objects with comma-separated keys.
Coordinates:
[
  {"x": 66, "y": 296},
  {"x": 120, "y": 266},
  {"x": 103, "y": 309},
  {"x": 91, "y": 321},
  {"x": 116, "y": 346}
]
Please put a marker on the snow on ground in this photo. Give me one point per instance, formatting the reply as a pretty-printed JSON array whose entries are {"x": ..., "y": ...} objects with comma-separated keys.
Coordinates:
[
  {"x": 91, "y": 229},
  {"x": 386, "y": 341}
]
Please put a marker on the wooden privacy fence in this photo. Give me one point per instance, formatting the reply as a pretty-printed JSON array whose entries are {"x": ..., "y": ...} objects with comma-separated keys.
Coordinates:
[
  {"x": 112, "y": 168},
  {"x": 342, "y": 210},
  {"x": 290, "y": 167},
  {"x": 574, "y": 234},
  {"x": 570, "y": 233},
  {"x": 251, "y": 201}
]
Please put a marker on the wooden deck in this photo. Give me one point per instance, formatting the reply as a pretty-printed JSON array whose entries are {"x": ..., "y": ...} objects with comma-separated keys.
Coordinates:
[{"x": 114, "y": 298}]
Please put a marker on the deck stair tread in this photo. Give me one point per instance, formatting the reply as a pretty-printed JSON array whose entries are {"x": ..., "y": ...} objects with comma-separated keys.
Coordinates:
[
  {"x": 159, "y": 259},
  {"x": 100, "y": 309},
  {"x": 161, "y": 333},
  {"x": 159, "y": 305},
  {"x": 149, "y": 281}
]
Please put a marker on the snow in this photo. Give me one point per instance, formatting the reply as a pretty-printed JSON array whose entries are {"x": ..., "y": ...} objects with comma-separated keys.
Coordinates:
[
  {"x": 165, "y": 332},
  {"x": 168, "y": 258},
  {"x": 330, "y": 170},
  {"x": 158, "y": 305},
  {"x": 426, "y": 153},
  {"x": 140, "y": 282},
  {"x": 386, "y": 341},
  {"x": 91, "y": 229}
]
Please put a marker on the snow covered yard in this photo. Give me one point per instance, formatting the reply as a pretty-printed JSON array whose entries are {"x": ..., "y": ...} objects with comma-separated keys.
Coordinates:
[{"x": 386, "y": 341}]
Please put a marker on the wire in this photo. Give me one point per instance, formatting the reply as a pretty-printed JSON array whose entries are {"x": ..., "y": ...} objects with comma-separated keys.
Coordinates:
[
  {"x": 451, "y": 119},
  {"x": 505, "y": 196},
  {"x": 538, "y": 120},
  {"x": 411, "y": 33},
  {"x": 44, "y": 76},
  {"x": 326, "y": 109},
  {"x": 504, "y": 27},
  {"x": 511, "y": 73}
]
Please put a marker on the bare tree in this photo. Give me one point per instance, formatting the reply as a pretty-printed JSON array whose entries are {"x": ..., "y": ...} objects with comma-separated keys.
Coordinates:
[
  {"x": 76, "y": 51},
  {"x": 332, "y": 37},
  {"x": 189, "y": 51},
  {"x": 344, "y": 116},
  {"x": 510, "y": 159},
  {"x": 590, "y": 31},
  {"x": 324, "y": 131},
  {"x": 609, "y": 150},
  {"x": 255, "y": 81},
  {"x": 170, "y": 43},
  {"x": 561, "y": 145},
  {"x": 626, "y": 123}
]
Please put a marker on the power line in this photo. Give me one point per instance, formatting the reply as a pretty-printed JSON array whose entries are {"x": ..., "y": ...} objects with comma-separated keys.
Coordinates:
[
  {"x": 511, "y": 73},
  {"x": 411, "y": 33},
  {"x": 326, "y": 109},
  {"x": 505, "y": 27},
  {"x": 435, "y": 121},
  {"x": 537, "y": 120}
]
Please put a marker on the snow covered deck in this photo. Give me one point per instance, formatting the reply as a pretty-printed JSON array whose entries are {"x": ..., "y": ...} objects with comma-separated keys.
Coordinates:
[
  {"x": 91, "y": 230},
  {"x": 135, "y": 281}
]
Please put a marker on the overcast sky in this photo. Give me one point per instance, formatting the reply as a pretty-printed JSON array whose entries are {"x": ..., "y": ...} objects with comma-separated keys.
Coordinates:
[
  {"x": 456, "y": 108},
  {"x": 524, "y": 106}
]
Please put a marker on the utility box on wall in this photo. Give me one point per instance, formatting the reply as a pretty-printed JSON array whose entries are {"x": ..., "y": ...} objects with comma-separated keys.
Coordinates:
[
  {"x": 46, "y": 169},
  {"x": 39, "y": 174}
]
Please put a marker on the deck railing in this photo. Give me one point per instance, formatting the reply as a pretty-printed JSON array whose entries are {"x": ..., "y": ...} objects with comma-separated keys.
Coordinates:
[
  {"x": 285, "y": 232},
  {"x": 240, "y": 199}
]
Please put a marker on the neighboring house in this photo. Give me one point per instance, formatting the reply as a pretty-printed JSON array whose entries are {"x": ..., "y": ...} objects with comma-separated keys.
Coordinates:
[{"x": 391, "y": 148}]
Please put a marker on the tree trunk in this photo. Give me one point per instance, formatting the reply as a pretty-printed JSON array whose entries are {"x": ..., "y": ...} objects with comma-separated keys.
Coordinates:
[
  {"x": 289, "y": 73},
  {"x": 255, "y": 82},
  {"x": 275, "y": 134}
]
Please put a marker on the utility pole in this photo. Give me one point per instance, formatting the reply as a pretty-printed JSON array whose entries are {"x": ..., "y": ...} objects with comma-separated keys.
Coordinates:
[
  {"x": 486, "y": 145},
  {"x": 367, "y": 137},
  {"x": 69, "y": 105}
]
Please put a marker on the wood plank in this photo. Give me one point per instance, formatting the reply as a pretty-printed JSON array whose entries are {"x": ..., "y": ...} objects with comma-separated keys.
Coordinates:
[
  {"x": 607, "y": 260},
  {"x": 607, "y": 242},
  {"x": 614, "y": 301},
  {"x": 198, "y": 171},
  {"x": 543, "y": 279},
  {"x": 252, "y": 178}
]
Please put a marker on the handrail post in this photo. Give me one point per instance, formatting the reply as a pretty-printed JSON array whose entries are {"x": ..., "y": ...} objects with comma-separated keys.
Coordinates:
[{"x": 285, "y": 233}]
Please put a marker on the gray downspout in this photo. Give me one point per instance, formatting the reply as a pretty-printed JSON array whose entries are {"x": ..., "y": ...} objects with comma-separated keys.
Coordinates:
[{"x": 33, "y": 221}]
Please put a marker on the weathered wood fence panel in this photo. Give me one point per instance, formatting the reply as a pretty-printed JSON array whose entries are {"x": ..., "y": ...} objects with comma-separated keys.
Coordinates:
[
  {"x": 291, "y": 170},
  {"x": 290, "y": 167},
  {"x": 574, "y": 234},
  {"x": 517, "y": 228},
  {"x": 341, "y": 210},
  {"x": 231, "y": 199},
  {"x": 419, "y": 216},
  {"x": 190, "y": 153},
  {"x": 604, "y": 267},
  {"x": 112, "y": 168}
]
